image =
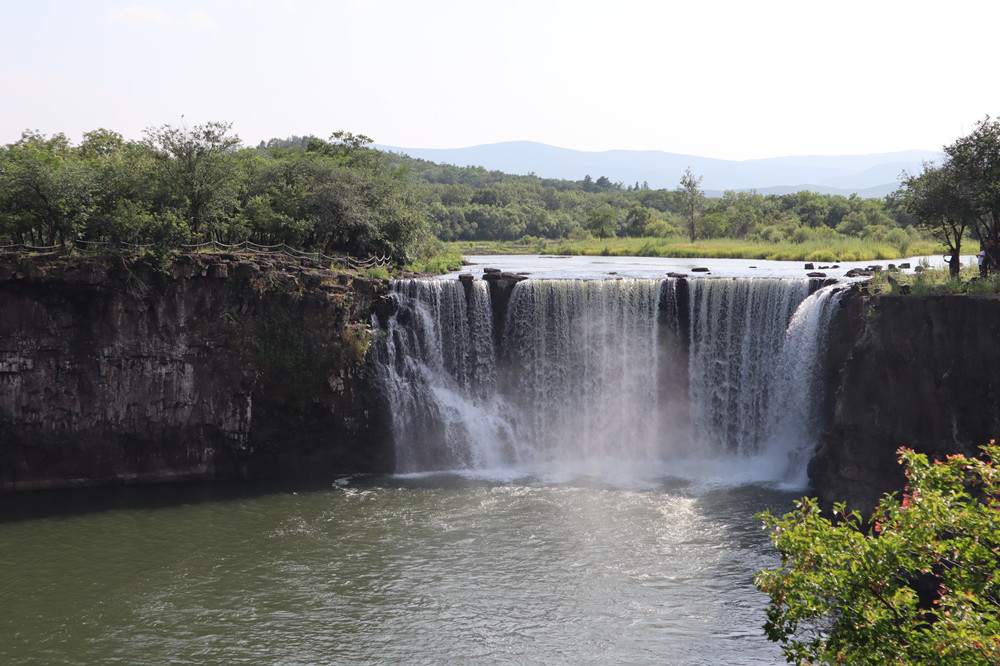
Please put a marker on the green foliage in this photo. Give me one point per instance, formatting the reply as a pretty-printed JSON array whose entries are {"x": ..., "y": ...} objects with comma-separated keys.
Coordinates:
[
  {"x": 473, "y": 204},
  {"x": 920, "y": 586},
  {"x": 47, "y": 190},
  {"x": 198, "y": 184},
  {"x": 962, "y": 193},
  {"x": 439, "y": 264},
  {"x": 602, "y": 221},
  {"x": 342, "y": 196},
  {"x": 930, "y": 282},
  {"x": 378, "y": 272}
]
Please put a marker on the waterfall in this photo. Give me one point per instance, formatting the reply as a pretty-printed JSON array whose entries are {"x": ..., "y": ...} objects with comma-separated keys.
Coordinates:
[
  {"x": 794, "y": 422},
  {"x": 438, "y": 369},
  {"x": 581, "y": 365},
  {"x": 610, "y": 372},
  {"x": 737, "y": 334}
]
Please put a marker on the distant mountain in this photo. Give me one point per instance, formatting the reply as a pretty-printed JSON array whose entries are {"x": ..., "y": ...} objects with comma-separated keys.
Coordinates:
[{"x": 866, "y": 175}]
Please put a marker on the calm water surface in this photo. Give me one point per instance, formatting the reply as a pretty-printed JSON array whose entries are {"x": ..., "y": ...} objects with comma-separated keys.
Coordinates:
[{"x": 430, "y": 569}]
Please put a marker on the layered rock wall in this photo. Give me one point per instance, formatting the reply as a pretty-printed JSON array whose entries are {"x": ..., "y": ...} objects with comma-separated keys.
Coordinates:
[
  {"x": 916, "y": 371},
  {"x": 219, "y": 367}
]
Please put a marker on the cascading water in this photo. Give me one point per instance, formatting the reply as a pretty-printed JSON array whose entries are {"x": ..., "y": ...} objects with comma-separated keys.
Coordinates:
[
  {"x": 603, "y": 372},
  {"x": 737, "y": 335},
  {"x": 438, "y": 366},
  {"x": 581, "y": 366}
]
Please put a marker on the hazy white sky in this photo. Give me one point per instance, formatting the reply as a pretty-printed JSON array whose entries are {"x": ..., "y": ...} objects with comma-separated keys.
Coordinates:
[{"x": 718, "y": 78}]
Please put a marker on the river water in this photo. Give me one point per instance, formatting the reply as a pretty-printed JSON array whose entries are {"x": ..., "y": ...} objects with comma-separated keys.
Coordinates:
[{"x": 423, "y": 569}]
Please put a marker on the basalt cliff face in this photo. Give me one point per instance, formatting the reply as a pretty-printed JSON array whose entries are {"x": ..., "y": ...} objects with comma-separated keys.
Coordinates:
[
  {"x": 218, "y": 368},
  {"x": 916, "y": 371}
]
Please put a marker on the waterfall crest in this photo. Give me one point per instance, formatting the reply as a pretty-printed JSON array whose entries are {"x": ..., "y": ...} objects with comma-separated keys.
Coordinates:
[{"x": 623, "y": 371}]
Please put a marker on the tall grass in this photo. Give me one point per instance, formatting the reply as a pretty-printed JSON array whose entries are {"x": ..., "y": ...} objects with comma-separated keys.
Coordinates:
[{"x": 837, "y": 249}]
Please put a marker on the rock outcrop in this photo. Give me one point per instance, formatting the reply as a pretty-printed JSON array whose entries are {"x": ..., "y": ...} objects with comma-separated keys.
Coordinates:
[
  {"x": 218, "y": 367},
  {"x": 916, "y": 371}
]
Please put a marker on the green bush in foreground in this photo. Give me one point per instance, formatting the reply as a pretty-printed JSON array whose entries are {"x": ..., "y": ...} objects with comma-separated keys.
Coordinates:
[{"x": 920, "y": 587}]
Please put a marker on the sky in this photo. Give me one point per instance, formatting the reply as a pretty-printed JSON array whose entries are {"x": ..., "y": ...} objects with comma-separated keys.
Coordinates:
[{"x": 729, "y": 79}]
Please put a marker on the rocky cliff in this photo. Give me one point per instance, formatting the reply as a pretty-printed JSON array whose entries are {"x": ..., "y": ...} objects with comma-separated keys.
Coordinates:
[
  {"x": 215, "y": 368},
  {"x": 916, "y": 371}
]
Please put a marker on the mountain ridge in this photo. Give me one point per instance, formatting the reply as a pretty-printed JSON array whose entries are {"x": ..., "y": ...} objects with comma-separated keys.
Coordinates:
[{"x": 871, "y": 175}]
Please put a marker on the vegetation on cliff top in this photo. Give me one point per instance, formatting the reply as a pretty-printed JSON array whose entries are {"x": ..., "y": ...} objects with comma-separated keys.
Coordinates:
[
  {"x": 191, "y": 185},
  {"x": 921, "y": 588},
  {"x": 929, "y": 282}
]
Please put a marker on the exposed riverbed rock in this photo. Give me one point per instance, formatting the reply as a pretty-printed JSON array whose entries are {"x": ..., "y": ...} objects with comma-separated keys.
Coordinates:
[{"x": 218, "y": 367}]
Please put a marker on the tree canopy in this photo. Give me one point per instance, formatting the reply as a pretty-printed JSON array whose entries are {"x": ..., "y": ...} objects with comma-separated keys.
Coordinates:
[{"x": 190, "y": 185}]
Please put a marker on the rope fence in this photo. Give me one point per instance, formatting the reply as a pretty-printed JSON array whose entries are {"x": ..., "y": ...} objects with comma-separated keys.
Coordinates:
[{"x": 213, "y": 246}]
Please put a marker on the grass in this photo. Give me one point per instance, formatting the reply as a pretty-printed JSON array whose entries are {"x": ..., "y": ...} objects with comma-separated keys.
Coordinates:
[
  {"x": 839, "y": 249},
  {"x": 450, "y": 259},
  {"x": 934, "y": 282}
]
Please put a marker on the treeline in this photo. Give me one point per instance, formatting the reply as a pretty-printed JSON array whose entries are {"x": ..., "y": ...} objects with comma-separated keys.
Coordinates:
[
  {"x": 472, "y": 203},
  {"x": 189, "y": 185},
  {"x": 180, "y": 185}
]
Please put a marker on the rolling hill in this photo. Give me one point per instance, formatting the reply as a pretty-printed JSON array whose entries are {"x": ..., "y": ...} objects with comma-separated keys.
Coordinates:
[{"x": 865, "y": 175}]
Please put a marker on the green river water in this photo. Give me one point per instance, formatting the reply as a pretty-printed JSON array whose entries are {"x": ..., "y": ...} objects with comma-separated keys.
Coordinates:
[{"x": 421, "y": 570}]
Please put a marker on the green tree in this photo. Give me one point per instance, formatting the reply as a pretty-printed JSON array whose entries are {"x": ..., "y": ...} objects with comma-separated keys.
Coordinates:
[
  {"x": 637, "y": 220},
  {"x": 691, "y": 202},
  {"x": 975, "y": 162},
  {"x": 942, "y": 201},
  {"x": 920, "y": 587},
  {"x": 46, "y": 189},
  {"x": 198, "y": 172},
  {"x": 743, "y": 210},
  {"x": 602, "y": 221}
]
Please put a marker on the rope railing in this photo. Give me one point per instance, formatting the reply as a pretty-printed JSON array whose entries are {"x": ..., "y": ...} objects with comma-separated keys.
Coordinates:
[{"x": 212, "y": 246}]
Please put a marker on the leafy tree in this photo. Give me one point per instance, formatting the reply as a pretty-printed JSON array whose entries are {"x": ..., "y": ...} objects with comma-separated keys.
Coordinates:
[
  {"x": 198, "y": 172},
  {"x": 943, "y": 203},
  {"x": 691, "y": 201},
  {"x": 743, "y": 210},
  {"x": 637, "y": 220},
  {"x": 46, "y": 189},
  {"x": 602, "y": 221},
  {"x": 975, "y": 162},
  {"x": 604, "y": 184},
  {"x": 921, "y": 587}
]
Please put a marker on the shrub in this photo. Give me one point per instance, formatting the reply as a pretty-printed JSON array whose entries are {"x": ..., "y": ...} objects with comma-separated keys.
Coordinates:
[{"x": 917, "y": 584}]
